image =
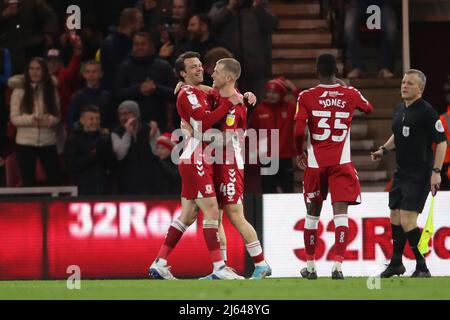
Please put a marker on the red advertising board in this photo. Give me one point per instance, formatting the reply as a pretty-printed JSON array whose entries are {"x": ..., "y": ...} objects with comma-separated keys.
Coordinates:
[
  {"x": 21, "y": 241},
  {"x": 120, "y": 239}
]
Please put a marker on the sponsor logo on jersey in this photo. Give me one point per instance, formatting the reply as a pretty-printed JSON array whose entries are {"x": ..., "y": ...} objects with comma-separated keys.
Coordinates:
[
  {"x": 194, "y": 101},
  {"x": 405, "y": 131},
  {"x": 439, "y": 127},
  {"x": 332, "y": 94}
]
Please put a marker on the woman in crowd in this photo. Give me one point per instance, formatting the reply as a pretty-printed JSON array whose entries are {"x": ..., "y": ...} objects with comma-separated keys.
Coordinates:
[{"x": 35, "y": 111}]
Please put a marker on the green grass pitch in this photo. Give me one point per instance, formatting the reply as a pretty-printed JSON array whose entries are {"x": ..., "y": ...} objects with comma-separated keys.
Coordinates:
[{"x": 268, "y": 289}]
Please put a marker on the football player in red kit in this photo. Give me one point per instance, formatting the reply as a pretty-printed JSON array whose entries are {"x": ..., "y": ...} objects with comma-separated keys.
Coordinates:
[
  {"x": 196, "y": 171},
  {"x": 327, "y": 111},
  {"x": 229, "y": 169}
]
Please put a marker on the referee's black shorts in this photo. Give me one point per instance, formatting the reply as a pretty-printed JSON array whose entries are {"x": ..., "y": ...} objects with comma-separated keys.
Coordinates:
[{"x": 410, "y": 188}]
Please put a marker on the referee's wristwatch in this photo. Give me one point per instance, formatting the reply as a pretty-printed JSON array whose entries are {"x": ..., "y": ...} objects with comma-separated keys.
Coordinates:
[{"x": 436, "y": 170}]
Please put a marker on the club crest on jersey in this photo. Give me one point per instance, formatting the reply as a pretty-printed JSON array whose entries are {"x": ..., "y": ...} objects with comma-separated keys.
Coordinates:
[
  {"x": 194, "y": 101},
  {"x": 406, "y": 131},
  {"x": 208, "y": 189},
  {"x": 230, "y": 119}
]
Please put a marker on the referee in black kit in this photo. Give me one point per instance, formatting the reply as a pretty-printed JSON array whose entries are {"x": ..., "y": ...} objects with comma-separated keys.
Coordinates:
[{"x": 415, "y": 127}]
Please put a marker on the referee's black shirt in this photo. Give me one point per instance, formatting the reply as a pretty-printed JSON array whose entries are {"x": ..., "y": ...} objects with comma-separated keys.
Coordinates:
[{"x": 415, "y": 128}]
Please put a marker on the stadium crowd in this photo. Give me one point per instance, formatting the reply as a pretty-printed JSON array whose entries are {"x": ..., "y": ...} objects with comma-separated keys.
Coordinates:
[{"x": 95, "y": 107}]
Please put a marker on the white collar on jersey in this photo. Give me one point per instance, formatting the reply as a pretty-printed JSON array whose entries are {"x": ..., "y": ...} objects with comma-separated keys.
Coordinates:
[{"x": 329, "y": 85}]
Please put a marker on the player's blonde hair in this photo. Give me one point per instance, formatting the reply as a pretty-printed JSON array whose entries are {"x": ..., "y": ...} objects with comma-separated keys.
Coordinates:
[{"x": 231, "y": 65}]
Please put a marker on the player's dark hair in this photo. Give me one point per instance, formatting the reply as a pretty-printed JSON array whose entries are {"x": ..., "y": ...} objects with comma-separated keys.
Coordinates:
[
  {"x": 89, "y": 108},
  {"x": 179, "y": 63},
  {"x": 326, "y": 65}
]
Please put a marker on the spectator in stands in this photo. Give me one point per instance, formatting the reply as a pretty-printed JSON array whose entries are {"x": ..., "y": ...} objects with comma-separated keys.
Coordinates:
[
  {"x": 275, "y": 112},
  {"x": 353, "y": 12},
  {"x": 68, "y": 77},
  {"x": 199, "y": 32},
  {"x": 110, "y": 13},
  {"x": 245, "y": 28},
  {"x": 35, "y": 112},
  {"x": 445, "y": 119},
  {"x": 89, "y": 154},
  {"x": 173, "y": 33},
  {"x": 92, "y": 94},
  {"x": 154, "y": 14},
  {"x": 147, "y": 79},
  {"x": 137, "y": 167},
  {"x": 210, "y": 60},
  {"x": 5, "y": 73},
  {"x": 27, "y": 28},
  {"x": 170, "y": 177},
  {"x": 117, "y": 45}
]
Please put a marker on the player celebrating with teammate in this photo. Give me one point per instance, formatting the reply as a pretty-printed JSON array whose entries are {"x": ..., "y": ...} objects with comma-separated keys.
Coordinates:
[
  {"x": 196, "y": 171},
  {"x": 327, "y": 111},
  {"x": 229, "y": 172}
]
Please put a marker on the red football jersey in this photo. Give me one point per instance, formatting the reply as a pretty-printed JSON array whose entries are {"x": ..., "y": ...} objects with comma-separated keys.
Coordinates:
[
  {"x": 328, "y": 110},
  {"x": 194, "y": 107},
  {"x": 235, "y": 123}
]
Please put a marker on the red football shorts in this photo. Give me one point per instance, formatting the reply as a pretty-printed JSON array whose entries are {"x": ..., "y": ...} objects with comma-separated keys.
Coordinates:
[
  {"x": 196, "y": 180},
  {"x": 229, "y": 184},
  {"x": 342, "y": 180}
]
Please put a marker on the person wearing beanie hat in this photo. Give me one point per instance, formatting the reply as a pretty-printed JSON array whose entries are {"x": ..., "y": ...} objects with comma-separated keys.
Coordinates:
[
  {"x": 164, "y": 145},
  {"x": 274, "y": 113},
  {"x": 133, "y": 144},
  {"x": 130, "y": 106}
]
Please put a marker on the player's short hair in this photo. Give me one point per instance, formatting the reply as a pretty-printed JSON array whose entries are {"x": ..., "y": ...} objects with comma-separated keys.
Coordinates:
[
  {"x": 326, "y": 65},
  {"x": 89, "y": 108},
  {"x": 420, "y": 75},
  {"x": 179, "y": 63},
  {"x": 128, "y": 16},
  {"x": 231, "y": 65},
  {"x": 91, "y": 62}
]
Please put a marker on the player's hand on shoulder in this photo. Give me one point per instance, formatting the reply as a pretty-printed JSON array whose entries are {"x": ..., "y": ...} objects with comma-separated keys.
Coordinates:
[
  {"x": 250, "y": 98},
  {"x": 236, "y": 99},
  {"x": 341, "y": 82},
  {"x": 186, "y": 128},
  {"x": 178, "y": 87},
  {"x": 302, "y": 161}
]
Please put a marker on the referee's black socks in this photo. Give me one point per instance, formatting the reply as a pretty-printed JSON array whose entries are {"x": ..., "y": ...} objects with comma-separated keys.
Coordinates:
[
  {"x": 399, "y": 240},
  {"x": 413, "y": 238}
]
